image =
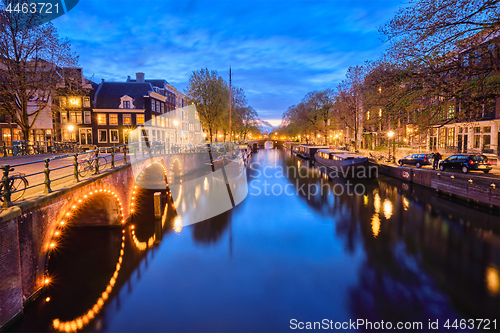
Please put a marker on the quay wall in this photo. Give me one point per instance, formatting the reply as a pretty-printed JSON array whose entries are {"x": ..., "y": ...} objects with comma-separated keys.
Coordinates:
[{"x": 470, "y": 186}]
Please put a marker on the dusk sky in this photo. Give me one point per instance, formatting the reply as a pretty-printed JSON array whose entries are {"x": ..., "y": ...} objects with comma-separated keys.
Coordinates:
[{"x": 278, "y": 50}]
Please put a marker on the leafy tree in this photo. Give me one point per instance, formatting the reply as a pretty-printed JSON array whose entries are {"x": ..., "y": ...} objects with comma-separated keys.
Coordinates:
[
  {"x": 29, "y": 63},
  {"x": 210, "y": 93}
]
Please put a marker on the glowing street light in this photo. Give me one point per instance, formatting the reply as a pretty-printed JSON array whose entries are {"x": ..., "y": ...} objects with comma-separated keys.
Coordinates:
[
  {"x": 390, "y": 135},
  {"x": 176, "y": 122}
]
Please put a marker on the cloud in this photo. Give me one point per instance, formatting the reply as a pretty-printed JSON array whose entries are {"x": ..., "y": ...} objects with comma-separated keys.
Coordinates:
[{"x": 279, "y": 50}]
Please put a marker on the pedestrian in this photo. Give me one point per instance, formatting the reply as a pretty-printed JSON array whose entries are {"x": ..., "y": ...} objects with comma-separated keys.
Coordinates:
[{"x": 437, "y": 157}]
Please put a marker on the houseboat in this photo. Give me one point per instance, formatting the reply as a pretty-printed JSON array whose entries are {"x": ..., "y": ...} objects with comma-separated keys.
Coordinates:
[
  {"x": 307, "y": 152},
  {"x": 346, "y": 164}
]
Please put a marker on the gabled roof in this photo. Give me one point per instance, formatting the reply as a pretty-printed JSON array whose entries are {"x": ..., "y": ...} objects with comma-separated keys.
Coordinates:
[
  {"x": 109, "y": 93},
  {"x": 160, "y": 83}
]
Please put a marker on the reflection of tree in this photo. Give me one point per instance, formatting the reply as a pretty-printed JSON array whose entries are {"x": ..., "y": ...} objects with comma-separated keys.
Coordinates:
[
  {"x": 422, "y": 252},
  {"x": 211, "y": 230}
]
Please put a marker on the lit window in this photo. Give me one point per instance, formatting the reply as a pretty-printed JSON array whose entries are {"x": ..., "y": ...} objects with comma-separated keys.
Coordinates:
[
  {"x": 139, "y": 120},
  {"x": 74, "y": 101},
  {"x": 75, "y": 117},
  {"x": 127, "y": 119},
  {"x": 64, "y": 117},
  {"x": 101, "y": 119},
  {"x": 113, "y": 119},
  {"x": 113, "y": 135}
]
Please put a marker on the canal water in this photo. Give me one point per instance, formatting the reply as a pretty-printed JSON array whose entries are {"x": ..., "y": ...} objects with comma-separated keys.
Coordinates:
[{"x": 301, "y": 248}]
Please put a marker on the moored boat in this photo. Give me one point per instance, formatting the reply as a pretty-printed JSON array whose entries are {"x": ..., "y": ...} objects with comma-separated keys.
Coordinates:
[
  {"x": 345, "y": 164},
  {"x": 307, "y": 152}
]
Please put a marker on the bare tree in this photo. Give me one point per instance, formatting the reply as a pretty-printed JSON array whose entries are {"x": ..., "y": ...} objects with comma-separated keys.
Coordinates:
[{"x": 29, "y": 63}]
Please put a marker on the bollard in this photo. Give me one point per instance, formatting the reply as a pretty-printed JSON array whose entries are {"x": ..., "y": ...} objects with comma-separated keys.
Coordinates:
[
  {"x": 75, "y": 169},
  {"x": 96, "y": 171},
  {"x": 47, "y": 178},
  {"x": 6, "y": 186},
  {"x": 125, "y": 154},
  {"x": 113, "y": 157},
  {"x": 157, "y": 204}
]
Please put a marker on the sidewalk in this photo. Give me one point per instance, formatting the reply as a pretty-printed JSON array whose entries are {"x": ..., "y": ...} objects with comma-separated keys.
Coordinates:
[{"x": 495, "y": 171}]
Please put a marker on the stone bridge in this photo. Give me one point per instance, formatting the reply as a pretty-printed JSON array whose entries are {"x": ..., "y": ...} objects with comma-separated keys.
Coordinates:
[{"x": 30, "y": 231}]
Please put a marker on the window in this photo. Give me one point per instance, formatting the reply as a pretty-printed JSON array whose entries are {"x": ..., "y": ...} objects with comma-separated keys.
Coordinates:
[
  {"x": 486, "y": 141},
  {"x": 153, "y": 120},
  {"x": 139, "y": 119},
  {"x": 86, "y": 102},
  {"x": 74, "y": 102},
  {"x": 86, "y": 136},
  {"x": 451, "y": 136},
  {"x": 162, "y": 105},
  {"x": 6, "y": 134},
  {"x": 126, "y": 104},
  {"x": 75, "y": 117},
  {"x": 476, "y": 141},
  {"x": 113, "y": 135},
  {"x": 157, "y": 106},
  {"x": 64, "y": 134},
  {"x": 113, "y": 119},
  {"x": 103, "y": 136},
  {"x": 487, "y": 129},
  {"x": 101, "y": 119},
  {"x": 127, "y": 119},
  {"x": 64, "y": 117},
  {"x": 87, "y": 117},
  {"x": 152, "y": 105},
  {"x": 62, "y": 101},
  {"x": 477, "y": 129},
  {"x": 451, "y": 112}
]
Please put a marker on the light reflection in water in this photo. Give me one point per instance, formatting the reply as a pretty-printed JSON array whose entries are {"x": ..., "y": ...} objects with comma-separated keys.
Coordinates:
[
  {"x": 79, "y": 322},
  {"x": 406, "y": 203},
  {"x": 387, "y": 209},
  {"x": 376, "y": 201},
  {"x": 492, "y": 280},
  {"x": 365, "y": 200},
  {"x": 178, "y": 224},
  {"x": 375, "y": 225}
]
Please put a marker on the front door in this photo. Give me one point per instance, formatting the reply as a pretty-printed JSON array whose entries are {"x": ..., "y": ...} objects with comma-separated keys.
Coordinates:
[
  {"x": 465, "y": 144},
  {"x": 85, "y": 136},
  {"x": 459, "y": 143}
]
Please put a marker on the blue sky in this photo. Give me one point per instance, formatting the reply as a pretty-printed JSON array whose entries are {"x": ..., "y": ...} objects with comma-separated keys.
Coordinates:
[{"x": 278, "y": 50}]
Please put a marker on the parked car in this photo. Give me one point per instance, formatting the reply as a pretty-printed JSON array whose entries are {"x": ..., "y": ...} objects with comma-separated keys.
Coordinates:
[
  {"x": 417, "y": 160},
  {"x": 466, "y": 163}
]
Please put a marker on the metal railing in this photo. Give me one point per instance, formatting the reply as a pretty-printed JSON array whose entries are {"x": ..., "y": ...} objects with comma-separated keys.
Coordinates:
[
  {"x": 89, "y": 158},
  {"x": 22, "y": 147},
  {"x": 92, "y": 162}
]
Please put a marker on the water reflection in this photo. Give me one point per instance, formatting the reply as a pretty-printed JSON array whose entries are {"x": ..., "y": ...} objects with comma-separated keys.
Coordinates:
[{"x": 396, "y": 252}]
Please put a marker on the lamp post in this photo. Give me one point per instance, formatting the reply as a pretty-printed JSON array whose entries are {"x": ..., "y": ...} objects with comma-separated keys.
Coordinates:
[{"x": 390, "y": 135}]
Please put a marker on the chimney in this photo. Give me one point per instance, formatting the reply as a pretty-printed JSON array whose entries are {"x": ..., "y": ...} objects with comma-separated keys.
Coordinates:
[
  {"x": 139, "y": 77},
  {"x": 102, "y": 80},
  {"x": 128, "y": 78}
]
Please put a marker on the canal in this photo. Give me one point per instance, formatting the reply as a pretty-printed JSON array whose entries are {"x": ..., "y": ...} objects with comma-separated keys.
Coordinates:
[{"x": 302, "y": 247}]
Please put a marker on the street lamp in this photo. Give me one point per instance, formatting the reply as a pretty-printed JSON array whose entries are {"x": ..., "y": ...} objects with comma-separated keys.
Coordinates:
[
  {"x": 390, "y": 135},
  {"x": 71, "y": 128}
]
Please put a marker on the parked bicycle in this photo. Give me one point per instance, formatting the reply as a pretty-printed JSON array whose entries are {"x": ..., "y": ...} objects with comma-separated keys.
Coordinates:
[
  {"x": 88, "y": 164},
  {"x": 17, "y": 185}
]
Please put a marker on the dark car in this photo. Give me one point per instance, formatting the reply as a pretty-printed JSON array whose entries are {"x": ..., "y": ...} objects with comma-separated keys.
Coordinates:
[
  {"x": 417, "y": 160},
  {"x": 466, "y": 163}
]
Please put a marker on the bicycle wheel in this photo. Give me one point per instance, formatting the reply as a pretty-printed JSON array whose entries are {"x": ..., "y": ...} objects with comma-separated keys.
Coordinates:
[
  {"x": 103, "y": 162},
  {"x": 84, "y": 168},
  {"x": 18, "y": 187}
]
